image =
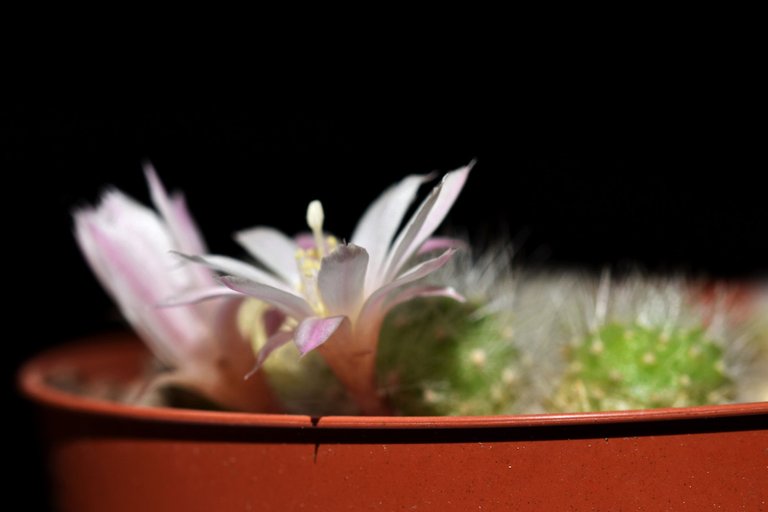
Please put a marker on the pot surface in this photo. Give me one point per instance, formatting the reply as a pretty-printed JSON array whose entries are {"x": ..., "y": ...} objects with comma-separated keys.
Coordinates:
[{"x": 110, "y": 456}]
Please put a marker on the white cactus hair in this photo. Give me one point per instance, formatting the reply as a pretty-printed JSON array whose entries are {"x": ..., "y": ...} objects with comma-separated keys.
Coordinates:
[
  {"x": 548, "y": 311},
  {"x": 544, "y": 313},
  {"x": 671, "y": 302},
  {"x": 745, "y": 326},
  {"x": 525, "y": 305}
]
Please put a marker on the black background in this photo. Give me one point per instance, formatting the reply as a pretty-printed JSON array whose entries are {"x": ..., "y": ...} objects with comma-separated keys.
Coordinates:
[{"x": 658, "y": 173}]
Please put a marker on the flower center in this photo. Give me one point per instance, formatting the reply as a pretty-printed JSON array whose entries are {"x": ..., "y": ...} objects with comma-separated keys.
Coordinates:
[{"x": 309, "y": 260}]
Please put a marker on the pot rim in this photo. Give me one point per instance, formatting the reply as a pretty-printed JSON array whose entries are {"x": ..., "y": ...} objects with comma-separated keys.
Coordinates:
[{"x": 32, "y": 382}]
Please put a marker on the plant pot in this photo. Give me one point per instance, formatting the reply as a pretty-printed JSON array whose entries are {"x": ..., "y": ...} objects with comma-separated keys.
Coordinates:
[{"x": 109, "y": 456}]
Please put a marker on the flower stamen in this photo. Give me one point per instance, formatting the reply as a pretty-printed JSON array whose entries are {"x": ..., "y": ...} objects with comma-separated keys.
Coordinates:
[
  {"x": 309, "y": 260},
  {"x": 315, "y": 218}
]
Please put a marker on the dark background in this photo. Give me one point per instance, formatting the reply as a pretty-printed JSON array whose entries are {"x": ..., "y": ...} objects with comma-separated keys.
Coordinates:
[{"x": 663, "y": 175}]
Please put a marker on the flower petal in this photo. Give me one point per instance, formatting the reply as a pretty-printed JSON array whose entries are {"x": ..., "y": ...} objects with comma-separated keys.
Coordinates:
[
  {"x": 175, "y": 213},
  {"x": 438, "y": 243},
  {"x": 368, "y": 328},
  {"x": 126, "y": 246},
  {"x": 379, "y": 223},
  {"x": 276, "y": 341},
  {"x": 426, "y": 220},
  {"x": 370, "y": 317},
  {"x": 289, "y": 303},
  {"x": 275, "y": 250},
  {"x": 423, "y": 269},
  {"x": 273, "y": 319},
  {"x": 422, "y": 291},
  {"x": 231, "y": 266},
  {"x": 197, "y": 296},
  {"x": 305, "y": 240},
  {"x": 314, "y": 331},
  {"x": 341, "y": 279}
]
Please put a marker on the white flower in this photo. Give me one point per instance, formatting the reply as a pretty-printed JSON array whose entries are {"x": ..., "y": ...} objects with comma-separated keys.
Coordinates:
[
  {"x": 127, "y": 245},
  {"x": 336, "y": 295}
]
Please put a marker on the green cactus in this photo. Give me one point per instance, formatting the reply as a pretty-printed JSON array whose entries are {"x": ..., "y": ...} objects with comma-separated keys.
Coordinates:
[
  {"x": 633, "y": 366},
  {"x": 442, "y": 357},
  {"x": 635, "y": 343}
]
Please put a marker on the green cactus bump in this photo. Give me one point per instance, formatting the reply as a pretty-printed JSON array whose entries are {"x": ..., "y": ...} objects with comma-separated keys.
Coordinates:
[
  {"x": 442, "y": 357},
  {"x": 637, "y": 367},
  {"x": 648, "y": 346}
]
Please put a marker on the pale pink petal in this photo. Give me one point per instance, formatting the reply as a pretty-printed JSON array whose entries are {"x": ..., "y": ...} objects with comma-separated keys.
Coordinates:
[
  {"x": 185, "y": 229},
  {"x": 234, "y": 267},
  {"x": 118, "y": 208},
  {"x": 232, "y": 350},
  {"x": 198, "y": 295},
  {"x": 132, "y": 268},
  {"x": 144, "y": 233},
  {"x": 273, "y": 319},
  {"x": 426, "y": 220},
  {"x": 129, "y": 220},
  {"x": 341, "y": 279},
  {"x": 380, "y": 221},
  {"x": 275, "y": 341},
  {"x": 368, "y": 327},
  {"x": 289, "y": 303},
  {"x": 353, "y": 361},
  {"x": 305, "y": 240},
  {"x": 416, "y": 272},
  {"x": 272, "y": 248},
  {"x": 438, "y": 243},
  {"x": 422, "y": 291},
  {"x": 372, "y": 313},
  {"x": 314, "y": 331},
  {"x": 175, "y": 213}
]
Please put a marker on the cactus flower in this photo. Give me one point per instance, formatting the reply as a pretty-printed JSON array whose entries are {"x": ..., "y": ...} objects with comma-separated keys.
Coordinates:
[
  {"x": 128, "y": 247},
  {"x": 336, "y": 295}
]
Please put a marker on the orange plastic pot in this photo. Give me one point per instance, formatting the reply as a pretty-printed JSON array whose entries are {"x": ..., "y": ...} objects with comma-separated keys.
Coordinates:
[{"x": 107, "y": 456}]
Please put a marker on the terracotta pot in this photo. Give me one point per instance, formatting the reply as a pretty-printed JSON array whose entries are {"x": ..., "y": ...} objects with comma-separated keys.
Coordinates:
[{"x": 107, "y": 456}]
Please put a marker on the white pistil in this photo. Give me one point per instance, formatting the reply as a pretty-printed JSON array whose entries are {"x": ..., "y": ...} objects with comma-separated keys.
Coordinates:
[
  {"x": 315, "y": 218},
  {"x": 310, "y": 260}
]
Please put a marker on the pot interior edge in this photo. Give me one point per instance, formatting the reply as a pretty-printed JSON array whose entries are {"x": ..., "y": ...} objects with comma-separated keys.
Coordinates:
[
  {"x": 103, "y": 354},
  {"x": 76, "y": 424}
]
